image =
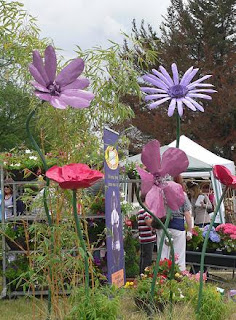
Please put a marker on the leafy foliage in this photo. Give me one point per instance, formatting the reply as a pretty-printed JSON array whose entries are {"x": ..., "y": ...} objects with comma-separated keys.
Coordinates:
[{"x": 103, "y": 304}]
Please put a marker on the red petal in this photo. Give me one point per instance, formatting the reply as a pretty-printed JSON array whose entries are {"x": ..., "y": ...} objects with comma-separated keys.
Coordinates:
[
  {"x": 74, "y": 176},
  {"x": 224, "y": 176}
]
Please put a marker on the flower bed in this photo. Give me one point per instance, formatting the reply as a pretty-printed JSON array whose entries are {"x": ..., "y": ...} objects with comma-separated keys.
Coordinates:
[{"x": 222, "y": 238}]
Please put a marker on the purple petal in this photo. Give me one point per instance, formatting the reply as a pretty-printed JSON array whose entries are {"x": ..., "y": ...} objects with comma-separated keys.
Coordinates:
[
  {"x": 38, "y": 63},
  {"x": 147, "y": 180},
  {"x": 157, "y": 103},
  {"x": 162, "y": 77},
  {"x": 50, "y": 60},
  {"x": 201, "y": 85},
  {"x": 152, "y": 90},
  {"x": 151, "y": 156},
  {"x": 80, "y": 83},
  {"x": 188, "y": 104},
  {"x": 166, "y": 74},
  {"x": 175, "y": 73},
  {"x": 155, "y": 96},
  {"x": 38, "y": 86},
  {"x": 79, "y": 99},
  {"x": 180, "y": 107},
  {"x": 78, "y": 93},
  {"x": 199, "y": 80},
  {"x": 195, "y": 103},
  {"x": 37, "y": 76},
  {"x": 155, "y": 81},
  {"x": 43, "y": 96},
  {"x": 174, "y": 195},
  {"x": 199, "y": 95},
  {"x": 70, "y": 73},
  {"x": 58, "y": 103},
  {"x": 171, "y": 108},
  {"x": 202, "y": 90},
  {"x": 155, "y": 202},
  {"x": 187, "y": 73},
  {"x": 189, "y": 78},
  {"x": 174, "y": 161}
]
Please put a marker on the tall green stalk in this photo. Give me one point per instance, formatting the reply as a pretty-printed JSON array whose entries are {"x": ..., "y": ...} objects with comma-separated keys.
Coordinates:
[
  {"x": 34, "y": 143},
  {"x": 177, "y": 129},
  {"x": 165, "y": 232},
  {"x": 81, "y": 239},
  {"x": 204, "y": 250},
  {"x": 49, "y": 219}
]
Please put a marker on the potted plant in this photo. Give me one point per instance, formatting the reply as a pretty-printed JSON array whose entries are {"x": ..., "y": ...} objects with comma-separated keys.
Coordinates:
[
  {"x": 227, "y": 233},
  {"x": 214, "y": 239},
  {"x": 195, "y": 244},
  {"x": 131, "y": 247},
  {"x": 15, "y": 235}
]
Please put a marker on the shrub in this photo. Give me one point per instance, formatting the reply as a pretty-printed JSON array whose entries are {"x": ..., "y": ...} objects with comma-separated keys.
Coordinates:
[{"x": 103, "y": 304}]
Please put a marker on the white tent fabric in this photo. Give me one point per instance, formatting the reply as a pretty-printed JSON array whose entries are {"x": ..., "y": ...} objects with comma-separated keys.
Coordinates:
[{"x": 196, "y": 151}]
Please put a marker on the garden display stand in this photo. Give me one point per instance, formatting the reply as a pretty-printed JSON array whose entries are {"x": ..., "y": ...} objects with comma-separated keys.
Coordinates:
[
  {"x": 13, "y": 249},
  {"x": 216, "y": 260}
]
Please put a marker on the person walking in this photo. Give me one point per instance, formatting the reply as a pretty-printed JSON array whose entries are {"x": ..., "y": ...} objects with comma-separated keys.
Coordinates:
[{"x": 147, "y": 238}]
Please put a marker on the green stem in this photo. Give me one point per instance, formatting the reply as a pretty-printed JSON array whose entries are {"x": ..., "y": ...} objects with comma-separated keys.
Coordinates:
[
  {"x": 34, "y": 143},
  {"x": 177, "y": 129},
  {"x": 204, "y": 250},
  {"x": 81, "y": 239},
  {"x": 161, "y": 244}
]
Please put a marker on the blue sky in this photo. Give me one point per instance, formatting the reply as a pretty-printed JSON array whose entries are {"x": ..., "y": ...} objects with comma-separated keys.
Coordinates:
[{"x": 88, "y": 23}]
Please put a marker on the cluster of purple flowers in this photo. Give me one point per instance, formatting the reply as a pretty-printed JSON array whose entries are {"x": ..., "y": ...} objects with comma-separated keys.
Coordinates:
[{"x": 213, "y": 236}]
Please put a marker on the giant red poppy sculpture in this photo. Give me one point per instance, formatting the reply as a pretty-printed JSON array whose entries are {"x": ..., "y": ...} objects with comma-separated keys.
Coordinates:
[
  {"x": 224, "y": 176},
  {"x": 74, "y": 176},
  {"x": 154, "y": 182},
  {"x": 65, "y": 88}
]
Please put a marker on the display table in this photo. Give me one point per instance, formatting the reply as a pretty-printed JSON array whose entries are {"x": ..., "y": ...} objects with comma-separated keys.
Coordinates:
[{"x": 216, "y": 260}]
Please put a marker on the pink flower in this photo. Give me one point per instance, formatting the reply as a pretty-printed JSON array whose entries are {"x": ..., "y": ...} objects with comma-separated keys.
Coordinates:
[
  {"x": 197, "y": 276},
  {"x": 63, "y": 89},
  {"x": 194, "y": 232},
  {"x": 154, "y": 184}
]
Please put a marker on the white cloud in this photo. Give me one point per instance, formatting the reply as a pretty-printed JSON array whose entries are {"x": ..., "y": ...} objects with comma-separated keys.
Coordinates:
[{"x": 89, "y": 23}]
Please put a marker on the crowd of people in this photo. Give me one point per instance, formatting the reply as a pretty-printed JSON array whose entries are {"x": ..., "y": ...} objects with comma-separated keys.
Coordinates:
[{"x": 196, "y": 210}]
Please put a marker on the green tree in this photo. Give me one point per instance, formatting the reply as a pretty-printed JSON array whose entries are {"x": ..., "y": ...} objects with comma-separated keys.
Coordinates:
[
  {"x": 199, "y": 33},
  {"x": 14, "y": 104},
  {"x": 19, "y": 36}
]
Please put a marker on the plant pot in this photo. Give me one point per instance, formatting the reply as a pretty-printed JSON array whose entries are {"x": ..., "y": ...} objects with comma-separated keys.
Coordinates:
[
  {"x": 14, "y": 244},
  {"x": 209, "y": 250}
]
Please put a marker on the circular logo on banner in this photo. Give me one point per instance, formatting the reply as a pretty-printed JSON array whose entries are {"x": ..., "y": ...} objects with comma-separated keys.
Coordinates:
[{"x": 111, "y": 157}]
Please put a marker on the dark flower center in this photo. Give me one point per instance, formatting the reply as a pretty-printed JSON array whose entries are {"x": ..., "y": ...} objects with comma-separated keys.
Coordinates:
[
  {"x": 54, "y": 89},
  {"x": 177, "y": 91}
]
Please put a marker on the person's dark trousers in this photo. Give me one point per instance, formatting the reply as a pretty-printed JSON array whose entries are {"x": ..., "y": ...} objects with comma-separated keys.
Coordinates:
[{"x": 146, "y": 250}]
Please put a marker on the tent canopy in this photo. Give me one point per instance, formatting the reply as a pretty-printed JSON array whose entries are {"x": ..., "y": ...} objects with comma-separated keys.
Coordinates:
[{"x": 200, "y": 159}]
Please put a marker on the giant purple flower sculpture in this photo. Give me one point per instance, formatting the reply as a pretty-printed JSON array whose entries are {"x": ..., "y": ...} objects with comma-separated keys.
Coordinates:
[
  {"x": 61, "y": 90},
  {"x": 180, "y": 92},
  {"x": 155, "y": 185}
]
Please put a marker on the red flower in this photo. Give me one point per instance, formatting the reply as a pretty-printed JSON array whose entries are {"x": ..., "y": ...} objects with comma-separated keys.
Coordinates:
[
  {"x": 74, "y": 176},
  {"x": 224, "y": 175}
]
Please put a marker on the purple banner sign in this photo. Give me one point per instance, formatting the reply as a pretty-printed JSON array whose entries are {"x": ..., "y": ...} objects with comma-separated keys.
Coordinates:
[{"x": 114, "y": 242}]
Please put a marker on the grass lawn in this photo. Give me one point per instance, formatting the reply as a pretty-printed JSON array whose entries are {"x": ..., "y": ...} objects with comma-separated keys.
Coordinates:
[{"x": 35, "y": 309}]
